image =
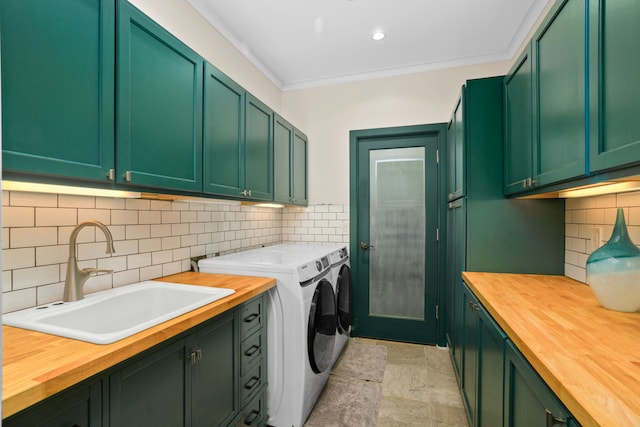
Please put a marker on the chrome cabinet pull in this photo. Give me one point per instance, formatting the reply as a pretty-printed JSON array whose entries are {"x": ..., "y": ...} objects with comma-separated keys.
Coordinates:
[{"x": 127, "y": 176}]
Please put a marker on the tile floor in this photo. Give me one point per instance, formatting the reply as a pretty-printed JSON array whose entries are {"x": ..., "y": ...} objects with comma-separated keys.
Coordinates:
[{"x": 419, "y": 387}]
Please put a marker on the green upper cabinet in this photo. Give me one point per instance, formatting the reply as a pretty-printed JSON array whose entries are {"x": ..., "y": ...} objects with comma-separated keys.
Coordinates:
[
  {"x": 159, "y": 106},
  {"x": 57, "y": 88},
  {"x": 455, "y": 151},
  {"x": 518, "y": 142},
  {"x": 289, "y": 163},
  {"x": 299, "y": 168},
  {"x": 614, "y": 91},
  {"x": 559, "y": 101},
  {"x": 258, "y": 149},
  {"x": 223, "y": 134},
  {"x": 238, "y": 140}
]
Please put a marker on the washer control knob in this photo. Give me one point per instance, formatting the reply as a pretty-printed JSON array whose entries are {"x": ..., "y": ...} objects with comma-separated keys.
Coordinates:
[{"x": 319, "y": 265}]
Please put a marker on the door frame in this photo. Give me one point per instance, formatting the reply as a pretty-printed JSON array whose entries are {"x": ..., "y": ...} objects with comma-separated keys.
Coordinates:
[{"x": 438, "y": 130}]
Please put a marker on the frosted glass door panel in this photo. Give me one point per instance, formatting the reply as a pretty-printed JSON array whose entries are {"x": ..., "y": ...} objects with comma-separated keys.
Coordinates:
[{"x": 397, "y": 233}]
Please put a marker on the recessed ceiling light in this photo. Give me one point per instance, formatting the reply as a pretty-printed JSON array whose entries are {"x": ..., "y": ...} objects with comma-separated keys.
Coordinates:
[{"x": 378, "y": 35}]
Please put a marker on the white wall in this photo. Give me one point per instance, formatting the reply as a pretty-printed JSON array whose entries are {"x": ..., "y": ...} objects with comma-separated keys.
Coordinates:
[{"x": 327, "y": 114}]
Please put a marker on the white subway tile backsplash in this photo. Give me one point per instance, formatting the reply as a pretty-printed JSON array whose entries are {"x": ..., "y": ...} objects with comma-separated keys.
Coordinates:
[
  {"x": 584, "y": 214},
  {"x": 152, "y": 238}
]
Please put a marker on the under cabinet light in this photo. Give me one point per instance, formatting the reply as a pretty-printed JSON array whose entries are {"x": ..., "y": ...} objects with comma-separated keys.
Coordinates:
[
  {"x": 34, "y": 187},
  {"x": 603, "y": 188}
]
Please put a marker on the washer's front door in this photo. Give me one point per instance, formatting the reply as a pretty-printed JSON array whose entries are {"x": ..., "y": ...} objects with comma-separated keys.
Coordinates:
[
  {"x": 343, "y": 296},
  {"x": 321, "y": 332}
]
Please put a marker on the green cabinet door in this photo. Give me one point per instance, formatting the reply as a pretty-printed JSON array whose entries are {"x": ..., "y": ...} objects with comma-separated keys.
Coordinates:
[
  {"x": 456, "y": 239},
  {"x": 258, "y": 149},
  {"x": 527, "y": 399},
  {"x": 518, "y": 140},
  {"x": 469, "y": 383},
  {"x": 77, "y": 406},
  {"x": 224, "y": 107},
  {"x": 152, "y": 390},
  {"x": 614, "y": 92},
  {"x": 289, "y": 163},
  {"x": 159, "y": 106},
  {"x": 215, "y": 373},
  {"x": 491, "y": 354},
  {"x": 282, "y": 160},
  {"x": 455, "y": 151},
  {"x": 299, "y": 168},
  {"x": 57, "y": 88},
  {"x": 559, "y": 101}
]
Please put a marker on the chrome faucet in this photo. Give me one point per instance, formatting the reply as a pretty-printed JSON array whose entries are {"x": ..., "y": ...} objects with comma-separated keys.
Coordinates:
[{"x": 74, "y": 283}]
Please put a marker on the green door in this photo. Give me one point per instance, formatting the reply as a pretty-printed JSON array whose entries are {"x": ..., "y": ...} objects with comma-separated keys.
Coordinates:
[
  {"x": 394, "y": 249},
  {"x": 456, "y": 240},
  {"x": 518, "y": 150},
  {"x": 559, "y": 78},
  {"x": 614, "y": 91},
  {"x": 223, "y": 134},
  {"x": 159, "y": 106},
  {"x": 57, "y": 88}
]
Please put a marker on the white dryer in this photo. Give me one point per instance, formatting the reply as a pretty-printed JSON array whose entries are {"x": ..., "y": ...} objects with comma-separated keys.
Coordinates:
[
  {"x": 301, "y": 326},
  {"x": 341, "y": 272}
]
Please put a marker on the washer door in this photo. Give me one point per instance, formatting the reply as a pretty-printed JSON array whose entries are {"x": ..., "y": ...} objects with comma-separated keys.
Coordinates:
[
  {"x": 321, "y": 332},
  {"x": 343, "y": 291}
]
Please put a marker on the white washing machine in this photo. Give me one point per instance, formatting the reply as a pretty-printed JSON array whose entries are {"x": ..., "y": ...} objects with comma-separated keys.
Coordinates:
[
  {"x": 341, "y": 280},
  {"x": 341, "y": 272},
  {"x": 301, "y": 325}
]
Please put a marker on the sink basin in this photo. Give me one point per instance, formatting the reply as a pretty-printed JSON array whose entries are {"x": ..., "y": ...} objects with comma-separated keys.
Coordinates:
[{"x": 108, "y": 316}]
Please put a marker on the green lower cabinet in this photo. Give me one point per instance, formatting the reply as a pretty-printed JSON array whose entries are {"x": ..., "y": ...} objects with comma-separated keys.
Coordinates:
[
  {"x": 491, "y": 354},
  {"x": 482, "y": 382},
  {"x": 192, "y": 382},
  {"x": 528, "y": 401},
  {"x": 159, "y": 106},
  {"x": 78, "y": 406},
  {"x": 214, "y": 375},
  {"x": 470, "y": 354},
  {"x": 57, "y": 89},
  {"x": 152, "y": 391}
]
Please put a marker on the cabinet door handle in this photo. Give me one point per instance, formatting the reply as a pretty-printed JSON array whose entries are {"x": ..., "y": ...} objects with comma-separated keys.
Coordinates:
[
  {"x": 251, "y": 350},
  {"x": 253, "y": 416},
  {"x": 251, "y": 318},
  {"x": 127, "y": 176},
  {"x": 252, "y": 383},
  {"x": 552, "y": 420}
]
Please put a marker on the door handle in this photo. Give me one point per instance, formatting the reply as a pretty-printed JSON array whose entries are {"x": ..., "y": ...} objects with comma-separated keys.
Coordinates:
[{"x": 364, "y": 246}]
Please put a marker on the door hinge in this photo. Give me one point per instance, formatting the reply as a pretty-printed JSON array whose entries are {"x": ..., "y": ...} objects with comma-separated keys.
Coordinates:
[{"x": 437, "y": 312}]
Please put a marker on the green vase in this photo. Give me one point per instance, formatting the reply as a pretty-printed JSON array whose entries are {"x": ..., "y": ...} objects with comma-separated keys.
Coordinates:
[{"x": 613, "y": 270}]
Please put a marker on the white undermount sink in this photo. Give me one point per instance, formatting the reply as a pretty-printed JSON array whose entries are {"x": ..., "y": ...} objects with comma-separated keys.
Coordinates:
[{"x": 108, "y": 316}]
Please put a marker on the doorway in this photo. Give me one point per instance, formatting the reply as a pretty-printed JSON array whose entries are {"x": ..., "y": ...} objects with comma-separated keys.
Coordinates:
[{"x": 395, "y": 221}]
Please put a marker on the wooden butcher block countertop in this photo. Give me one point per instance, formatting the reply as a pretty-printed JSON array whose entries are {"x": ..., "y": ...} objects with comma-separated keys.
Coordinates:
[
  {"x": 588, "y": 355},
  {"x": 37, "y": 365}
]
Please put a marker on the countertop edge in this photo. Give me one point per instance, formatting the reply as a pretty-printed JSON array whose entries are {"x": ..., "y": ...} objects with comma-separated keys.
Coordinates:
[{"x": 35, "y": 389}]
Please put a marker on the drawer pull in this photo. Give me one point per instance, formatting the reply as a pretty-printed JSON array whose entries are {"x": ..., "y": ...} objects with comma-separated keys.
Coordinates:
[
  {"x": 252, "y": 383},
  {"x": 253, "y": 416},
  {"x": 251, "y": 350},
  {"x": 552, "y": 420},
  {"x": 251, "y": 318}
]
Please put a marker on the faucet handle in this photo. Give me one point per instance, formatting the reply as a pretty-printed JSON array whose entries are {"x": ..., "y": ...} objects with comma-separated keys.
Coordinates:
[{"x": 91, "y": 271}]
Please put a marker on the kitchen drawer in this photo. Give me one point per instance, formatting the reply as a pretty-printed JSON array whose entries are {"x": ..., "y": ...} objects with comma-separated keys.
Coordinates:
[
  {"x": 252, "y": 381},
  {"x": 252, "y": 349},
  {"x": 255, "y": 413},
  {"x": 252, "y": 317}
]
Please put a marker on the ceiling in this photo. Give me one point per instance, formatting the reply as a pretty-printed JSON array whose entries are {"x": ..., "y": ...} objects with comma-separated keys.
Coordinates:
[{"x": 306, "y": 43}]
